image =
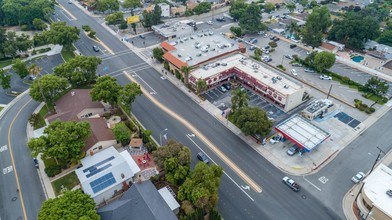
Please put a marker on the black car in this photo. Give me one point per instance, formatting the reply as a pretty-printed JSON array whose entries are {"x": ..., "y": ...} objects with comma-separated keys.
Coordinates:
[
  {"x": 203, "y": 157},
  {"x": 36, "y": 163},
  {"x": 221, "y": 19},
  {"x": 227, "y": 86},
  {"x": 142, "y": 36},
  {"x": 293, "y": 46},
  {"x": 95, "y": 48}
]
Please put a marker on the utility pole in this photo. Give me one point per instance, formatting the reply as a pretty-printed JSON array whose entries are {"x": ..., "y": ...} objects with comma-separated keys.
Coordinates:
[{"x": 329, "y": 92}]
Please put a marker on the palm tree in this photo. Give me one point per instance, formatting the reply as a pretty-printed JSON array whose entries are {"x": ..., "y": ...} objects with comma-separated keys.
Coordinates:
[
  {"x": 293, "y": 27},
  {"x": 186, "y": 70},
  {"x": 201, "y": 85},
  {"x": 240, "y": 99}
]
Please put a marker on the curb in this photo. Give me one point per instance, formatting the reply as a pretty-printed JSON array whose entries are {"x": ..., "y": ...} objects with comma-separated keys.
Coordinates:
[{"x": 9, "y": 105}]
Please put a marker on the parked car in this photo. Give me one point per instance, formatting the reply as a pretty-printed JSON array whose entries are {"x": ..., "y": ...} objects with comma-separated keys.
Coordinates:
[
  {"x": 275, "y": 139},
  {"x": 239, "y": 40},
  {"x": 325, "y": 77},
  {"x": 221, "y": 19},
  {"x": 36, "y": 163},
  {"x": 252, "y": 40},
  {"x": 222, "y": 89},
  {"x": 360, "y": 176},
  {"x": 291, "y": 183},
  {"x": 273, "y": 37},
  {"x": 289, "y": 57},
  {"x": 252, "y": 48},
  {"x": 308, "y": 52},
  {"x": 95, "y": 48},
  {"x": 293, "y": 150},
  {"x": 296, "y": 64},
  {"x": 210, "y": 22},
  {"x": 202, "y": 157},
  {"x": 276, "y": 39},
  {"x": 267, "y": 47},
  {"x": 264, "y": 51},
  {"x": 32, "y": 77},
  {"x": 227, "y": 86},
  {"x": 266, "y": 35},
  {"x": 294, "y": 72},
  {"x": 309, "y": 70},
  {"x": 260, "y": 33},
  {"x": 293, "y": 46},
  {"x": 142, "y": 36}
]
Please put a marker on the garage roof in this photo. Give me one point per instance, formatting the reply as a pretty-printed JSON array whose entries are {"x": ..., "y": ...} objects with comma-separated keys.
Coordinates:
[{"x": 302, "y": 132}]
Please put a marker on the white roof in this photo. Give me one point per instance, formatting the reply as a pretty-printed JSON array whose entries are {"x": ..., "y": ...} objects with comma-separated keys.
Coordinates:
[
  {"x": 376, "y": 186},
  {"x": 302, "y": 132},
  {"x": 169, "y": 199},
  {"x": 104, "y": 170},
  {"x": 263, "y": 74}
]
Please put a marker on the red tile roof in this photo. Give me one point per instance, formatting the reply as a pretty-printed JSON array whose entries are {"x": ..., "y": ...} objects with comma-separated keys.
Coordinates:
[
  {"x": 165, "y": 45},
  {"x": 136, "y": 142},
  {"x": 174, "y": 60},
  {"x": 328, "y": 46}
]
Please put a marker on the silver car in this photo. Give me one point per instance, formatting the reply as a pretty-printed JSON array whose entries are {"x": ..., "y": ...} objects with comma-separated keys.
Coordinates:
[{"x": 360, "y": 176}]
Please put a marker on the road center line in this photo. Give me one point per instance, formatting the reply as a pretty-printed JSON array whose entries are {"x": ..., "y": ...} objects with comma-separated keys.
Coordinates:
[
  {"x": 207, "y": 142},
  {"x": 223, "y": 171}
]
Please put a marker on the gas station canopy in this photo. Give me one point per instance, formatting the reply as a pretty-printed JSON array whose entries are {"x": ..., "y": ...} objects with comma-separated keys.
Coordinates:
[{"x": 302, "y": 132}]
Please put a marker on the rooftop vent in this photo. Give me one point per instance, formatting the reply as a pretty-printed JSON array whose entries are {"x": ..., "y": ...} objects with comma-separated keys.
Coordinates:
[
  {"x": 279, "y": 77},
  {"x": 286, "y": 86},
  {"x": 179, "y": 55}
]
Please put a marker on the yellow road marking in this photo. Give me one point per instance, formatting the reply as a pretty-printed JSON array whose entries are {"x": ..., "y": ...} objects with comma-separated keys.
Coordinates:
[
  {"x": 209, "y": 144},
  {"x": 69, "y": 13},
  {"x": 12, "y": 158},
  {"x": 106, "y": 47}
]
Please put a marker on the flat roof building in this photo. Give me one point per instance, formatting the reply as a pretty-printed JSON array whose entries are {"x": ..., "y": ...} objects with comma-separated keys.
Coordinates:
[
  {"x": 374, "y": 199},
  {"x": 286, "y": 93},
  {"x": 172, "y": 29},
  {"x": 318, "y": 109}
]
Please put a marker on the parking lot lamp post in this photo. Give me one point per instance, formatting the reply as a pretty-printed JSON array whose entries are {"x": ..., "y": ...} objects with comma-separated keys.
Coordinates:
[
  {"x": 282, "y": 60},
  {"x": 160, "y": 136}
]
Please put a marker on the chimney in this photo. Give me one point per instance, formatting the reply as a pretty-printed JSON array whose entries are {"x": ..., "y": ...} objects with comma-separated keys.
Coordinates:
[
  {"x": 122, "y": 176},
  {"x": 91, "y": 153}
]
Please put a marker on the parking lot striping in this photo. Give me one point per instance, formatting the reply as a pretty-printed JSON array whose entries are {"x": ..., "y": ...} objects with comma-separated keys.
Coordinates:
[
  {"x": 12, "y": 158},
  {"x": 190, "y": 138},
  {"x": 207, "y": 142},
  {"x": 311, "y": 183}
]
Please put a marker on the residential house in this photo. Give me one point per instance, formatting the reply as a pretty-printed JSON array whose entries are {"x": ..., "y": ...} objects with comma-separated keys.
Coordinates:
[
  {"x": 329, "y": 47},
  {"x": 141, "y": 201},
  {"x": 107, "y": 173},
  {"x": 378, "y": 57},
  {"x": 302, "y": 16},
  {"x": 101, "y": 136}
]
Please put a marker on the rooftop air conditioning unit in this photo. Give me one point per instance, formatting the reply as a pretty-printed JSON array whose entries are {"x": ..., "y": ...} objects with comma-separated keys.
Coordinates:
[
  {"x": 179, "y": 55},
  {"x": 286, "y": 86}
]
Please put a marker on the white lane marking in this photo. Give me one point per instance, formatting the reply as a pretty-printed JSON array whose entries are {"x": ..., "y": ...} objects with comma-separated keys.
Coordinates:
[
  {"x": 311, "y": 183},
  {"x": 140, "y": 65},
  {"x": 190, "y": 138},
  {"x": 3, "y": 148},
  {"x": 66, "y": 16},
  {"x": 323, "y": 179},
  {"x": 107, "y": 56},
  {"x": 153, "y": 91},
  {"x": 8, "y": 169},
  {"x": 245, "y": 187}
]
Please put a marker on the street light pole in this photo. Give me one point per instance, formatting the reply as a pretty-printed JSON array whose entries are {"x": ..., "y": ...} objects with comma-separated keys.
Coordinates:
[
  {"x": 160, "y": 136},
  {"x": 282, "y": 60}
]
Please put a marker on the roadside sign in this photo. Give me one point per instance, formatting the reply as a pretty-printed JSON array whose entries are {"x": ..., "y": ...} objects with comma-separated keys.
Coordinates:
[{"x": 133, "y": 19}]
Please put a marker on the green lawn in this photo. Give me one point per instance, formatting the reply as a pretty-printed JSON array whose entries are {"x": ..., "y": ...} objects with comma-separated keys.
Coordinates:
[
  {"x": 68, "y": 181},
  {"x": 1, "y": 108},
  {"x": 42, "y": 112},
  {"x": 5, "y": 63},
  {"x": 67, "y": 54}
]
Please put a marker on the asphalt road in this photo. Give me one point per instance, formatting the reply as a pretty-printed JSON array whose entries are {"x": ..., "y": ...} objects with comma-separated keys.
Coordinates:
[{"x": 29, "y": 182}]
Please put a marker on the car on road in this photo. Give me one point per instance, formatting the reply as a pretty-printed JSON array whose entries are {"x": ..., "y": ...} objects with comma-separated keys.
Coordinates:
[
  {"x": 360, "y": 176},
  {"x": 227, "y": 86},
  {"x": 275, "y": 139},
  {"x": 293, "y": 150},
  {"x": 222, "y": 89},
  {"x": 202, "y": 157},
  {"x": 294, "y": 72},
  {"x": 296, "y": 64},
  {"x": 221, "y": 19},
  {"x": 95, "y": 48},
  {"x": 309, "y": 70},
  {"x": 210, "y": 22},
  {"x": 293, "y": 46},
  {"x": 325, "y": 77},
  {"x": 36, "y": 163},
  {"x": 289, "y": 57},
  {"x": 252, "y": 48},
  {"x": 142, "y": 36},
  {"x": 291, "y": 183}
]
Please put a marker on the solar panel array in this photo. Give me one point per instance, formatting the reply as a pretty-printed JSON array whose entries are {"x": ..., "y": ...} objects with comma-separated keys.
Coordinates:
[
  {"x": 102, "y": 182},
  {"x": 94, "y": 170}
]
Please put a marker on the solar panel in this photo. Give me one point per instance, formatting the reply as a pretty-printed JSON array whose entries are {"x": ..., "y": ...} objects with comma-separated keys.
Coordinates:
[
  {"x": 95, "y": 170},
  {"x": 98, "y": 164},
  {"x": 102, "y": 182}
]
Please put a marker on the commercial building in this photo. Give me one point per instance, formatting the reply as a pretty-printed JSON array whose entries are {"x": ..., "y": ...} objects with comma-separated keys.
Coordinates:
[
  {"x": 375, "y": 199},
  {"x": 198, "y": 48},
  {"x": 173, "y": 29},
  {"x": 104, "y": 174},
  {"x": 165, "y": 8},
  {"x": 318, "y": 109},
  {"x": 284, "y": 92}
]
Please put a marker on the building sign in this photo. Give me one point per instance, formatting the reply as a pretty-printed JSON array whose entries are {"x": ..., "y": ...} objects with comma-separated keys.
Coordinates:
[{"x": 133, "y": 19}]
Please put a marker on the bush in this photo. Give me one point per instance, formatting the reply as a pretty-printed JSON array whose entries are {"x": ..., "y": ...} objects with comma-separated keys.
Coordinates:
[
  {"x": 92, "y": 34},
  {"x": 356, "y": 100},
  {"x": 25, "y": 28},
  {"x": 346, "y": 79},
  {"x": 52, "y": 171},
  {"x": 86, "y": 28},
  {"x": 364, "y": 105},
  {"x": 368, "y": 111},
  {"x": 273, "y": 44},
  {"x": 123, "y": 25},
  {"x": 166, "y": 66},
  {"x": 123, "y": 118},
  {"x": 281, "y": 67},
  {"x": 150, "y": 147},
  {"x": 372, "y": 109},
  {"x": 361, "y": 108},
  {"x": 178, "y": 75},
  {"x": 106, "y": 115}
]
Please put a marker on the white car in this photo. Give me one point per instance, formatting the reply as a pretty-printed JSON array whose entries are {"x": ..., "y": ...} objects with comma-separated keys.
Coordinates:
[
  {"x": 210, "y": 22},
  {"x": 261, "y": 33},
  {"x": 325, "y": 77},
  {"x": 360, "y": 176},
  {"x": 294, "y": 72},
  {"x": 309, "y": 52},
  {"x": 275, "y": 139}
]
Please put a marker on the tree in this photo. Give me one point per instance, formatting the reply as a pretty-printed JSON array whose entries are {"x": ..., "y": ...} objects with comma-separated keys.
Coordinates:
[
  {"x": 128, "y": 95},
  {"x": 20, "y": 68},
  {"x": 291, "y": 7},
  {"x": 115, "y": 18},
  {"x": 62, "y": 34},
  {"x": 269, "y": 6},
  {"x": 172, "y": 149},
  {"x": 147, "y": 21},
  {"x": 376, "y": 86},
  {"x": 79, "y": 71},
  {"x": 324, "y": 60},
  {"x": 133, "y": 25},
  {"x": 237, "y": 31},
  {"x": 87, "y": 28},
  {"x": 201, "y": 8},
  {"x": 237, "y": 9},
  {"x": 16, "y": 12},
  {"x": 35, "y": 119},
  {"x": 72, "y": 205},
  {"x": 122, "y": 134},
  {"x": 201, "y": 85},
  {"x": 156, "y": 15},
  {"x": 311, "y": 38},
  {"x": 316, "y": 24},
  {"x": 310, "y": 58},
  {"x": 240, "y": 99},
  {"x": 5, "y": 80},
  {"x": 251, "y": 21},
  {"x": 158, "y": 53},
  {"x": 107, "y": 90},
  {"x": 39, "y": 24},
  {"x": 303, "y": 3},
  {"x": 186, "y": 70},
  {"x": 34, "y": 70},
  {"x": 104, "y": 5},
  {"x": 313, "y": 4},
  {"x": 47, "y": 88},
  {"x": 62, "y": 140},
  {"x": 258, "y": 52},
  {"x": 131, "y": 4},
  {"x": 385, "y": 38},
  {"x": 252, "y": 121},
  {"x": 273, "y": 44},
  {"x": 201, "y": 187},
  {"x": 14, "y": 43}
]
